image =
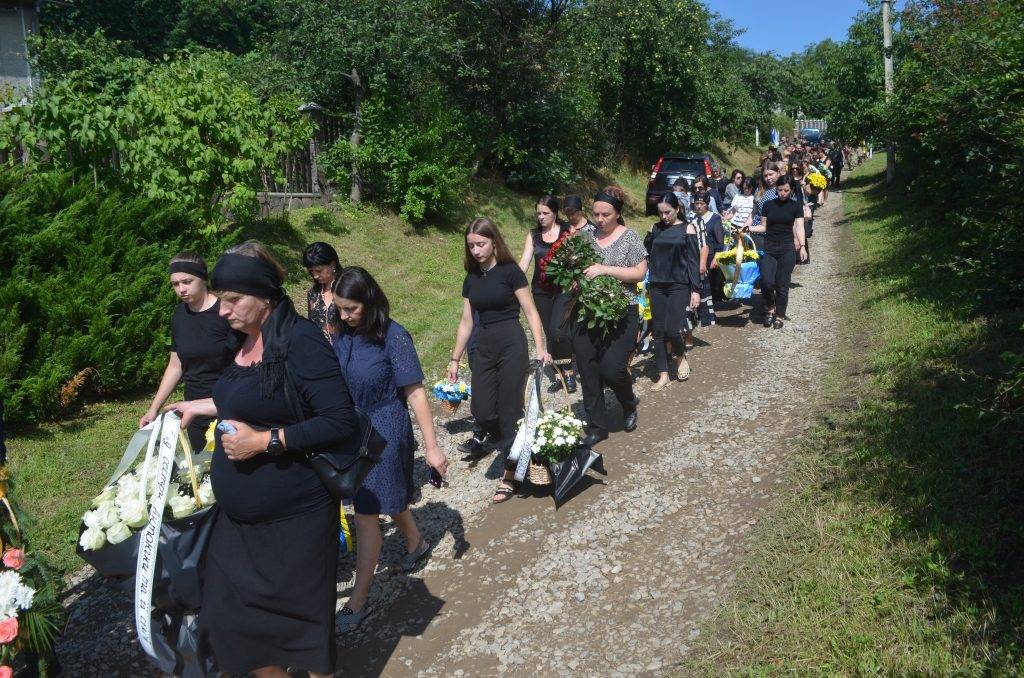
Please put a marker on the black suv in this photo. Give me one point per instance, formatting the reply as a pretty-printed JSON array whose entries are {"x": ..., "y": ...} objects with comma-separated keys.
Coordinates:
[{"x": 670, "y": 167}]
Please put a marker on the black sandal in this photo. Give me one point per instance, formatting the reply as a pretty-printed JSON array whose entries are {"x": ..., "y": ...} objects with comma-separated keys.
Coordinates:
[{"x": 504, "y": 492}]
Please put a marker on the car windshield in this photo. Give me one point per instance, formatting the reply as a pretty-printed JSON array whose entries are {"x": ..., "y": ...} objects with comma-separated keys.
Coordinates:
[{"x": 679, "y": 166}]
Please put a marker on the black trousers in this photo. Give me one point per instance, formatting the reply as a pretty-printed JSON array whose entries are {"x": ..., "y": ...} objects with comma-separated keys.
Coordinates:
[
  {"x": 669, "y": 303},
  {"x": 500, "y": 365},
  {"x": 602, "y": 360},
  {"x": 553, "y": 309},
  {"x": 837, "y": 173},
  {"x": 717, "y": 279},
  {"x": 776, "y": 273}
]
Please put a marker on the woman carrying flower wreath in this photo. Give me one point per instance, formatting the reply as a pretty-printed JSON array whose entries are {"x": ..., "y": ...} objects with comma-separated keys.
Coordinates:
[
  {"x": 602, "y": 354},
  {"x": 550, "y": 299},
  {"x": 269, "y": 577},
  {"x": 674, "y": 286},
  {"x": 496, "y": 289}
]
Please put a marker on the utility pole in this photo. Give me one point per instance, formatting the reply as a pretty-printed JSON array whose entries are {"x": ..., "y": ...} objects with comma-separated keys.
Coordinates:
[{"x": 890, "y": 150}]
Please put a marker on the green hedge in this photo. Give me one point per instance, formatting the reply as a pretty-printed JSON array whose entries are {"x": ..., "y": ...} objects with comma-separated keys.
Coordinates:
[{"x": 84, "y": 300}]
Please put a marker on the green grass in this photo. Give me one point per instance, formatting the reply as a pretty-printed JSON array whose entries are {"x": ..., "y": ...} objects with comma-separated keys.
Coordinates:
[{"x": 899, "y": 547}]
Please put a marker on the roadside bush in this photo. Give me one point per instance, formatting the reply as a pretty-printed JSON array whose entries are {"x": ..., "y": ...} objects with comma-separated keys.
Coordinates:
[
  {"x": 417, "y": 167},
  {"x": 84, "y": 304},
  {"x": 180, "y": 131}
]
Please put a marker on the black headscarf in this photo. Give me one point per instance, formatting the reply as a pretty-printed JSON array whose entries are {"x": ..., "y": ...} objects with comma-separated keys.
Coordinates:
[
  {"x": 256, "y": 277},
  {"x": 610, "y": 199}
]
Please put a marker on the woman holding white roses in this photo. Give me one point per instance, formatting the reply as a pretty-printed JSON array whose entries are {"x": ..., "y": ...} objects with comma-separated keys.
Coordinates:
[{"x": 268, "y": 591}]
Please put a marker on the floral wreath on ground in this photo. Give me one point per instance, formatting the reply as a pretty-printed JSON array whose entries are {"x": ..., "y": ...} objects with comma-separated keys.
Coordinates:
[
  {"x": 30, "y": 610},
  {"x": 600, "y": 302}
]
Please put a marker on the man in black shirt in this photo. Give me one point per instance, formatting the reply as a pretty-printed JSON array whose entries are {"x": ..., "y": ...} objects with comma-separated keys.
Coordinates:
[{"x": 835, "y": 154}]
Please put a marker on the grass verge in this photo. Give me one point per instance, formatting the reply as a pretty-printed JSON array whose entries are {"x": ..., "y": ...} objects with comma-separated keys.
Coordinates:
[{"x": 899, "y": 548}]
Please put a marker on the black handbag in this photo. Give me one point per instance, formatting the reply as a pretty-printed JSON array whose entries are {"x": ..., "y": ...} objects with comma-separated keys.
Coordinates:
[{"x": 342, "y": 470}]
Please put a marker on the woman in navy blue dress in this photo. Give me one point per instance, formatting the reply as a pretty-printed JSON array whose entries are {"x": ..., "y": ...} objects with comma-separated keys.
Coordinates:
[{"x": 383, "y": 373}]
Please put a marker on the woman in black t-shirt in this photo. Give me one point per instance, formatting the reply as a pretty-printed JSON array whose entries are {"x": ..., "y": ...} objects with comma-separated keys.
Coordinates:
[
  {"x": 551, "y": 301},
  {"x": 495, "y": 289},
  {"x": 202, "y": 343},
  {"x": 782, "y": 222}
]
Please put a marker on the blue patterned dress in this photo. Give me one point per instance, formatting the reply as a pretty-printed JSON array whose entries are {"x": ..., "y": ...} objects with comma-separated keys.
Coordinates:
[{"x": 377, "y": 374}]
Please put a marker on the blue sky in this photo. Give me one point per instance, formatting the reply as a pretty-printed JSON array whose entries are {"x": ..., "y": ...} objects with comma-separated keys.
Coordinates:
[{"x": 785, "y": 26}]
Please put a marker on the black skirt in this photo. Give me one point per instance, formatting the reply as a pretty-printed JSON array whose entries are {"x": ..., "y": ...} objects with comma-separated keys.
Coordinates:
[{"x": 269, "y": 592}]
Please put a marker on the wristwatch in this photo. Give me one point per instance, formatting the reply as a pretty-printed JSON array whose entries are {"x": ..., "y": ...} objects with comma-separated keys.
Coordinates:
[{"x": 275, "y": 448}]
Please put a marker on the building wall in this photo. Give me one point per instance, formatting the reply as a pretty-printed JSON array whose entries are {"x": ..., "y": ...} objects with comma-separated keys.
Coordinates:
[{"x": 17, "y": 22}]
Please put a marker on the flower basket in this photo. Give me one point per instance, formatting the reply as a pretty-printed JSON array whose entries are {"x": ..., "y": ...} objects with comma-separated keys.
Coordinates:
[
  {"x": 739, "y": 266},
  {"x": 557, "y": 435},
  {"x": 109, "y": 536},
  {"x": 451, "y": 395},
  {"x": 539, "y": 474}
]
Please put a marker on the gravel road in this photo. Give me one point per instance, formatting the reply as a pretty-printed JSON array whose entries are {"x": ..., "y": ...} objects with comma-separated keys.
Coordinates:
[{"x": 618, "y": 580}]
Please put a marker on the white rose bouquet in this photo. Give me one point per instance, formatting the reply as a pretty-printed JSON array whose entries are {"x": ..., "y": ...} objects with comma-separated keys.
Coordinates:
[
  {"x": 557, "y": 435},
  {"x": 122, "y": 509}
]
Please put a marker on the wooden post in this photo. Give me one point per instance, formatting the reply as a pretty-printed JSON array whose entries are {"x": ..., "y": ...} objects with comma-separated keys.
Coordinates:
[{"x": 316, "y": 114}]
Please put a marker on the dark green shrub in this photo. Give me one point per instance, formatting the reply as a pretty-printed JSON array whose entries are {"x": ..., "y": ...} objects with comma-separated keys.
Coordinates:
[
  {"x": 416, "y": 164},
  {"x": 84, "y": 301}
]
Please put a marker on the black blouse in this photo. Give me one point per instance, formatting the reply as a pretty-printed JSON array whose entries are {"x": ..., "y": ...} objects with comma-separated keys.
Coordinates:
[
  {"x": 205, "y": 344},
  {"x": 262, "y": 487},
  {"x": 323, "y": 315},
  {"x": 492, "y": 293},
  {"x": 540, "y": 250},
  {"x": 674, "y": 256},
  {"x": 778, "y": 218}
]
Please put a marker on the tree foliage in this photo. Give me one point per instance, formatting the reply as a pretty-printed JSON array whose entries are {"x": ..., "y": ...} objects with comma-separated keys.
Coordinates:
[
  {"x": 84, "y": 303},
  {"x": 179, "y": 130}
]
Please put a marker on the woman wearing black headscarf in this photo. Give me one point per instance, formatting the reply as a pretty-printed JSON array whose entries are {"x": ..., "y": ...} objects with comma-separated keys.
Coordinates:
[
  {"x": 603, "y": 358},
  {"x": 202, "y": 343},
  {"x": 269, "y": 583}
]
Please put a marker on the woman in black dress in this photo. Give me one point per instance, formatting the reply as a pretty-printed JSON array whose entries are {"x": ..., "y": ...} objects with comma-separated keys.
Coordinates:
[
  {"x": 782, "y": 223},
  {"x": 603, "y": 358},
  {"x": 674, "y": 284},
  {"x": 269, "y": 583},
  {"x": 202, "y": 343},
  {"x": 495, "y": 288},
  {"x": 551, "y": 301},
  {"x": 321, "y": 261}
]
